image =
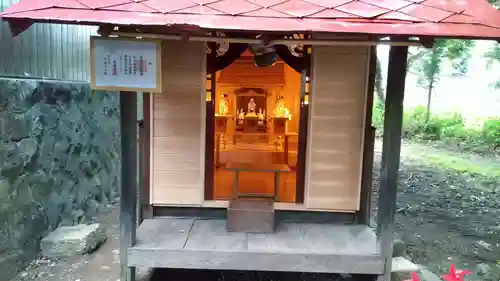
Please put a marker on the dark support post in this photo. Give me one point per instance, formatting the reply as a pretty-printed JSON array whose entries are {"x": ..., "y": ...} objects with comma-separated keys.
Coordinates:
[
  {"x": 303, "y": 126},
  {"x": 142, "y": 201},
  {"x": 128, "y": 182},
  {"x": 217, "y": 150},
  {"x": 393, "y": 123},
  {"x": 146, "y": 149}
]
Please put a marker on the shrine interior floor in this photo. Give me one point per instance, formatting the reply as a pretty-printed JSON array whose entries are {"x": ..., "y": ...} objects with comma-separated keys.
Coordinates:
[
  {"x": 255, "y": 182},
  {"x": 261, "y": 183}
]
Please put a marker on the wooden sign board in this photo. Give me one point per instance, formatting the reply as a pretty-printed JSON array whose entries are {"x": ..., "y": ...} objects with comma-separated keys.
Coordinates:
[{"x": 119, "y": 64}]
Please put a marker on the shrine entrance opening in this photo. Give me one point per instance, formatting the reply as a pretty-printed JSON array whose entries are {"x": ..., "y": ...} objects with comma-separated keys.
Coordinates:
[{"x": 257, "y": 120}]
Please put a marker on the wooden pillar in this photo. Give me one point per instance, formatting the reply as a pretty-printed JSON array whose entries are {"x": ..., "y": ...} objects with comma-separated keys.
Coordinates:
[
  {"x": 305, "y": 89},
  {"x": 128, "y": 182},
  {"x": 210, "y": 124},
  {"x": 363, "y": 215},
  {"x": 393, "y": 123}
]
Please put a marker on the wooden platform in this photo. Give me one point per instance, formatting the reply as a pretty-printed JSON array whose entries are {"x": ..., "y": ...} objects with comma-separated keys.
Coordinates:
[{"x": 298, "y": 247}]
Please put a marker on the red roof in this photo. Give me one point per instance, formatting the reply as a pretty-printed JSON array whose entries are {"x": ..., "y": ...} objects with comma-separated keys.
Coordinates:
[{"x": 437, "y": 18}]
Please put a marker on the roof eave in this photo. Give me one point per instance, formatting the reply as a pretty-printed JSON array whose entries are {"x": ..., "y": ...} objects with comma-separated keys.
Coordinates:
[{"x": 19, "y": 24}]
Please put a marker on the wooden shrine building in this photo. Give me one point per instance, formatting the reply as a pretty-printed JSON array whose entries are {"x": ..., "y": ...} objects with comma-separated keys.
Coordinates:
[{"x": 256, "y": 145}]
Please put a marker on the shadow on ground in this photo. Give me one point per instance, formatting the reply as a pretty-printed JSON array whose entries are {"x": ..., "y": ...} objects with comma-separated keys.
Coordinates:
[{"x": 163, "y": 274}]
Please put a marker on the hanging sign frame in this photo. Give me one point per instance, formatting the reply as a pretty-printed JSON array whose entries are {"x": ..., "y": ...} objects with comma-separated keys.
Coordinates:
[{"x": 125, "y": 64}]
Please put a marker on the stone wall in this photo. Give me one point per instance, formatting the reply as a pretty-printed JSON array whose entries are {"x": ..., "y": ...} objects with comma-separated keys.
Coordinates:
[{"x": 59, "y": 161}]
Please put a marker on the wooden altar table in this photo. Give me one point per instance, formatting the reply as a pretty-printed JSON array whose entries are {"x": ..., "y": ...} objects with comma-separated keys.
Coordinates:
[{"x": 277, "y": 169}]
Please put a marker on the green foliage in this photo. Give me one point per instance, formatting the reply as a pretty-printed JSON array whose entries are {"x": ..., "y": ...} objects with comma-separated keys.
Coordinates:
[
  {"x": 491, "y": 133},
  {"x": 459, "y": 53},
  {"x": 414, "y": 54},
  {"x": 495, "y": 3},
  {"x": 379, "y": 88},
  {"x": 416, "y": 126},
  {"x": 427, "y": 65},
  {"x": 492, "y": 57},
  {"x": 446, "y": 129},
  {"x": 378, "y": 117},
  {"x": 496, "y": 85}
]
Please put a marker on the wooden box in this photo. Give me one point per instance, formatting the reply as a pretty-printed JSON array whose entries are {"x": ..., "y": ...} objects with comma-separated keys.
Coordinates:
[
  {"x": 251, "y": 216},
  {"x": 280, "y": 125},
  {"x": 221, "y": 123}
]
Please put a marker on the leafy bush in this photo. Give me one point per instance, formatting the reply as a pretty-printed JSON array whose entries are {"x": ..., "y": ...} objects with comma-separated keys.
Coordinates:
[
  {"x": 415, "y": 125},
  {"x": 491, "y": 133},
  {"x": 450, "y": 130},
  {"x": 378, "y": 118}
]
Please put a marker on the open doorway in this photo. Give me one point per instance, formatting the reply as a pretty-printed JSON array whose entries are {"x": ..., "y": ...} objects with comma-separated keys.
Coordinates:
[{"x": 255, "y": 125}]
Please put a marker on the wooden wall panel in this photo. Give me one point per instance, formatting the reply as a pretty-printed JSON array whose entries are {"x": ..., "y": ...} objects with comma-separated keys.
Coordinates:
[
  {"x": 336, "y": 127},
  {"x": 178, "y": 125}
]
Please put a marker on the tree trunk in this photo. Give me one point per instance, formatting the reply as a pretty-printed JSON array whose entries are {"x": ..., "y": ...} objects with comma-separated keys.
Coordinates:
[
  {"x": 429, "y": 96},
  {"x": 379, "y": 88}
]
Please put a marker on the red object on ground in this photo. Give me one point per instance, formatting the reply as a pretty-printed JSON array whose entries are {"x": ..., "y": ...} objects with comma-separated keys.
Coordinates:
[
  {"x": 414, "y": 277},
  {"x": 455, "y": 275},
  {"x": 436, "y": 18}
]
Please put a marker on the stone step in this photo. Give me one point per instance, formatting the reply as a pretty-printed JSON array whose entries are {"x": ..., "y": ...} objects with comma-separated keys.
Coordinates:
[
  {"x": 402, "y": 269},
  {"x": 250, "y": 216},
  {"x": 401, "y": 264}
]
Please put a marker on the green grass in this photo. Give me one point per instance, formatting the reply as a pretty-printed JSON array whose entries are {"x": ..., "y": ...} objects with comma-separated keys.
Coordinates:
[
  {"x": 448, "y": 129},
  {"x": 454, "y": 161},
  {"x": 462, "y": 165}
]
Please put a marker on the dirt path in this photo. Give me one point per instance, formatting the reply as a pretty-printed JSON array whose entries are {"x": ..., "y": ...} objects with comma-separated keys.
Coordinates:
[
  {"x": 448, "y": 209},
  {"x": 102, "y": 265}
]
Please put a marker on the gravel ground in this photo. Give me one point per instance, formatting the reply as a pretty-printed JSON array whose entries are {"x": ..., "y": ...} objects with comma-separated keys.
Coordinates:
[{"x": 447, "y": 217}]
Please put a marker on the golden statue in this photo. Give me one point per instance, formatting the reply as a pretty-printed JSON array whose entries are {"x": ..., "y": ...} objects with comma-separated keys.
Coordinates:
[
  {"x": 241, "y": 117},
  {"x": 251, "y": 107},
  {"x": 261, "y": 115}
]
